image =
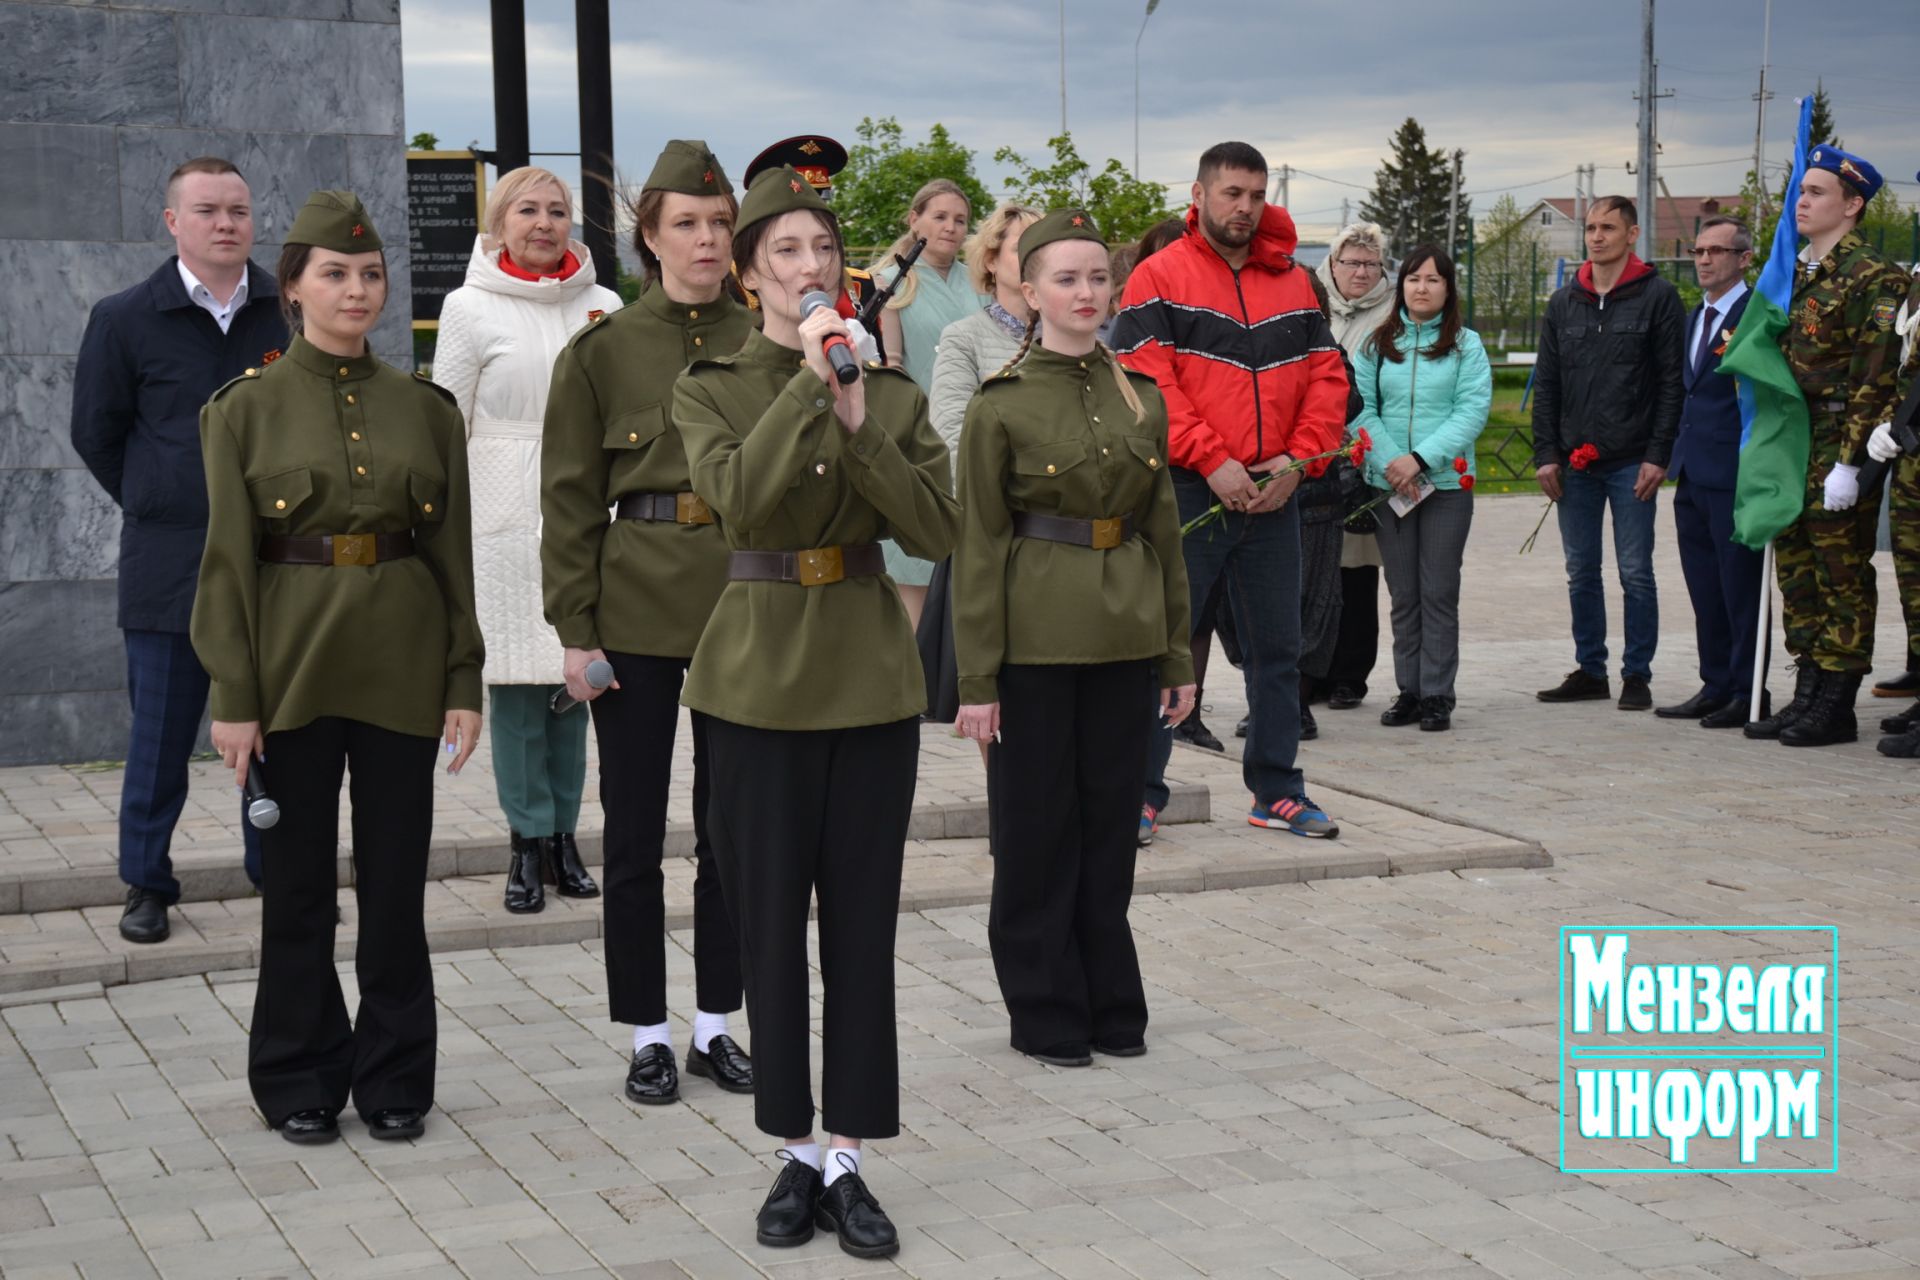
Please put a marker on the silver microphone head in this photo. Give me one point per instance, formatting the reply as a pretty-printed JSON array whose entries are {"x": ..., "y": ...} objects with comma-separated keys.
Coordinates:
[
  {"x": 813, "y": 301},
  {"x": 263, "y": 813},
  {"x": 599, "y": 673}
]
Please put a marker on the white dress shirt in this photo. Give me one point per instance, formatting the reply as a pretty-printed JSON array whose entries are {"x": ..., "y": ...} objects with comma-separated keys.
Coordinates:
[
  {"x": 1722, "y": 309},
  {"x": 203, "y": 296}
]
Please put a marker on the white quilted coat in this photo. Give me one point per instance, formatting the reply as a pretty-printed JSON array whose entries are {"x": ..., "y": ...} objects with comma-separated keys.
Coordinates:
[{"x": 499, "y": 337}]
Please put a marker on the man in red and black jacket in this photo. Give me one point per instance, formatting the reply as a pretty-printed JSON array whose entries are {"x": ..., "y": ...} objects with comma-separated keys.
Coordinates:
[{"x": 1228, "y": 325}]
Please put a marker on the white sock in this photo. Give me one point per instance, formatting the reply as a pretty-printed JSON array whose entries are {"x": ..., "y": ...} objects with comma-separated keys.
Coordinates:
[
  {"x": 804, "y": 1152},
  {"x": 658, "y": 1033},
  {"x": 706, "y": 1026},
  {"x": 840, "y": 1162}
]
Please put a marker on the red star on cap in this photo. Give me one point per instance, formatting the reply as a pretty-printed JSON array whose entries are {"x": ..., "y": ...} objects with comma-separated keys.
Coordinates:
[
  {"x": 359, "y": 230},
  {"x": 795, "y": 184},
  {"x": 1079, "y": 221},
  {"x": 708, "y": 179}
]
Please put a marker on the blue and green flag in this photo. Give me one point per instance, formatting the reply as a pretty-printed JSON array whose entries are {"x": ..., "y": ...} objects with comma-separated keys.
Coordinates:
[{"x": 1775, "y": 432}]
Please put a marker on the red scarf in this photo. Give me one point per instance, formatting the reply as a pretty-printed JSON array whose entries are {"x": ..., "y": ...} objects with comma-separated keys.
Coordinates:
[{"x": 568, "y": 265}]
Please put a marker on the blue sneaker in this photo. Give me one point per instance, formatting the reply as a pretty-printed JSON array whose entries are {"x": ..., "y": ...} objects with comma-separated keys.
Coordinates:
[
  {"x": 1149, "y": 823},
  {"x": 1296, "y": 814}
]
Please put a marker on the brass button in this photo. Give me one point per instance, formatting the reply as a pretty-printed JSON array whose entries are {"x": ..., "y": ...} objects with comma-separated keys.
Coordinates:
[
  {"x": 698, "y": 343},
  {"x": 819, "y": 468},
  {"x": 1103, "y": 451},
  {"x": 1096, "y": 418},
  {"x": 1083, "y": 364},
  {"x": 427, "y": 507},
  {"x": 350, "y": 399},
  {"x": 343, "y": 371},
  {"x": 1153, "y": 462},
  {"x": 633, "y": 437},
  {"x": 354, "y": 434},
  {"x": 693, "y": 315},
  {"x": 253, "y": 373},
  {"x": 359, "y": 471},
  {"x": 1050, "y": 468},
  {"x": 279, "y": 504}
]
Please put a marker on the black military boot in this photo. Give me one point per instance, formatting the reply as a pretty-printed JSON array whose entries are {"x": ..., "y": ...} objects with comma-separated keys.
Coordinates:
[
  {"x": 1901, "y": 746},
  {"x": 1908, "y": 719},
  {"x": 1806, "y": 684},
  {"x": 1830, "y": 719},
  {"x": 565, "y": 869},
  {"x": 524, "y": 892}
]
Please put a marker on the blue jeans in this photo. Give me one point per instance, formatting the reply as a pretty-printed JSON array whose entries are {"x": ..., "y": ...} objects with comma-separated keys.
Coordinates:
[
  {"x": 1259, "y": 556},
  {"x": 1585, "y": 498},
  {"x": 168, "y": 690}
]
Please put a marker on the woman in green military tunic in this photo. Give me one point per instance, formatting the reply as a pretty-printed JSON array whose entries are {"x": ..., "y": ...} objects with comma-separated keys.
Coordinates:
[
  {"x": 636, "y": 591},
  {"x": 335, "y": 617},
  {"x": 1069, "y": 591},
  {"x": 813, "y": 691}
]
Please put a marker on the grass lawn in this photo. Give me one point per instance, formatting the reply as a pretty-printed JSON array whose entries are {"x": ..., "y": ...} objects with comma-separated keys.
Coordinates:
[{"x": 1503, "y": 458}]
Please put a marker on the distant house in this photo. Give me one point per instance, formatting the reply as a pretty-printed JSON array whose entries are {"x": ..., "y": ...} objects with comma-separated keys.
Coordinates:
[{"x": 1675, "y": 222}]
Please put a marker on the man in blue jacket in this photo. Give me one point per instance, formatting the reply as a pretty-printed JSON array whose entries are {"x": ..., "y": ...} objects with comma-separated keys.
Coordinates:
[
  {"x": 152, "y": 355},
  {"x": 1723, "y": 577}
]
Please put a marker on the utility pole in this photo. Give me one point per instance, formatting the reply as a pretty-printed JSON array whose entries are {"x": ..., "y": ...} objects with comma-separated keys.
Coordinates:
[
  {"x": 1649, "y": 131},
  {"x": 1346, "y": 202},
  {"x": 1151, "y": 6},
  {"x": 1284, "y": 174},
  {"x": 591, "y": 24},
  {"x": 1760, "y": 120},
  {"x": 1453, "y": 204}
]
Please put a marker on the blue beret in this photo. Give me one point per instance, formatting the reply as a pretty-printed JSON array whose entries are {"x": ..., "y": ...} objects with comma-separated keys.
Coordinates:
[{"x": 1864, "y": 177}]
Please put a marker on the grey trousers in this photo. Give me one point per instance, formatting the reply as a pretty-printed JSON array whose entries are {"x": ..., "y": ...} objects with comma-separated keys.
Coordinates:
[{"x": 1422, "y": 551}]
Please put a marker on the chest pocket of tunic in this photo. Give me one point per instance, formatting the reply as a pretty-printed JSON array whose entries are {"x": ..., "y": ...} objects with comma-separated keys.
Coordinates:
[
  {"x": 429, "y": 498},
  {"x": 278, "y": 496},
  {"x": 1049, "y": 461},
  {"x": 1147, "y": 450},
  {"x": 636, "y": 428}
]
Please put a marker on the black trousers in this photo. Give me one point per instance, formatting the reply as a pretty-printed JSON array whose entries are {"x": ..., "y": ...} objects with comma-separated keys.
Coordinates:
[
  {"x": 1358, "y": 647},
  {"x": 799, "y": 815},
  {"x": 1063, "y": 788},
  {"x": 303, "y": 1052},
  {"x": 635, "y": 725}
]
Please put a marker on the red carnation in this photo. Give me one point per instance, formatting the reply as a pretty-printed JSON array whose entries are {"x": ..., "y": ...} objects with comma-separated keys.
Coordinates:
[
  {"x": 1460, "y": 466},
  {"x": 1466, "y": 482},
  {"x": 1583, "y": 457},
  {"x": 1356, "y": 455},
  {"x": 1366, "y": 441}
]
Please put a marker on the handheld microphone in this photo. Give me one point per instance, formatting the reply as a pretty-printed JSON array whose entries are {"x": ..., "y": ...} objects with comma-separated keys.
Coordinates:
[
  {"x": 839, "y": 350},
  {"x": 599, "y": 674},
  {"x": 262, "y": 810}
]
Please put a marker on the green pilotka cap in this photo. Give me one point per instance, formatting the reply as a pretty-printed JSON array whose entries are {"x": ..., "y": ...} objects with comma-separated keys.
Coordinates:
[
  {"x": 1061, "y": 224},
  {"x": 334, "y": 220},
  {"x": 778, "y": 191},
  {"x": 688, "y": 167}
]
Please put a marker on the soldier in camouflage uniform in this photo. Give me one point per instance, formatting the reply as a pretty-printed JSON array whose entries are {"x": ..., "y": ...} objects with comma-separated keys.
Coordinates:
[
  {"x": 1841, "y": 345},
  {"x": 1903, "y": 501}
]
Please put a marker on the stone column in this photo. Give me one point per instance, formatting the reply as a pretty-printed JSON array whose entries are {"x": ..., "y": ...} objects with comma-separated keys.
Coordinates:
[{"x": 98, "y": 103}]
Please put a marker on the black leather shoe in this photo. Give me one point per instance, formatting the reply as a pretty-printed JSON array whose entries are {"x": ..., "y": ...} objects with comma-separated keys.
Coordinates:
[
  {"x": 145, "y": 919},
  {"x": 1634, "y": 694},
  {"x": 397, "y": 1123},
  {"x": 786, "y": 1215},
  {"x": 310, "y": 1128},
  {"x": 1193, "y": 732},
  {"x": 725, "y": 1063},
  {"x": 524, "y": 892},
  {"x": 1806, "y": 687},
  {"x": 1699, "y": 706},
  {"x": 1309, "y": 727},
  {"x": 1404, "y": 710},
  {"x": 1068, "y": 1053},
  {"x": 849, "y": 1210},
  {"x": 1901, "y": 746},
  {"x": 1734, "y": 714},
  {"x": 652, "y": 1079},
  {"x": 1578, "y": 687},
  {"x": 1121, "y": 1046},
  {"x": 1906, "y": 720},
  {"x": 1240, "y": 730},
  {"x": 1904, "y": 685},
  {"x": 1436, "y": 715},
  {"x": 568, "y": 873},
  {"x": 1344, "y": 698}
]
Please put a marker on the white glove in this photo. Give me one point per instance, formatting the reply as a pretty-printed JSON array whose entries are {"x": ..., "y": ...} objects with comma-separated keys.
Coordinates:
[
  {"x": 1843, "y": 487},
  {"x": 863, "y": 344},
  {"x": 1881, "y": 446}
]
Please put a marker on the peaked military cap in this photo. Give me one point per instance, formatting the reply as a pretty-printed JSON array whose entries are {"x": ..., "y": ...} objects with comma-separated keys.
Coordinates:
[
  {"x": 774, "y": 192},
  {"x": 334, "y": 220},
  {"x": 813, "y": 157},
  {"x": 1864, "y": 177},
  {"x": 1061, "y": 224},
  {"x": 687, "y": 166}
]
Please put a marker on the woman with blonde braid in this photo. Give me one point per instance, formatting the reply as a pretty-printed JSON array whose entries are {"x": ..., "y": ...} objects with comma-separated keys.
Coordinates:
[{"x": 1069, "y": 591}]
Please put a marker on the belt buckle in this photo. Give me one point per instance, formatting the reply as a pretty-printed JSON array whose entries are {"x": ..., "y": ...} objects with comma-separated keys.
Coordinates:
[
  {"x": 1108, "y": 533},
  {"x": 691, "y": 508},
  {"x": 353, "y": 548},
  {"x": 819, "y": 567}
]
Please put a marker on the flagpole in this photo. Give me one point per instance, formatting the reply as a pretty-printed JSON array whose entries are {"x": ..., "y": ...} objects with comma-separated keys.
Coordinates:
[{"x": 1761, "y": 633}]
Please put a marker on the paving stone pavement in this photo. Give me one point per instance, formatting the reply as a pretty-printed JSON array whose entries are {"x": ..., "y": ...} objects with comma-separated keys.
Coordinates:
[{"x": 1348, "y": 1077}]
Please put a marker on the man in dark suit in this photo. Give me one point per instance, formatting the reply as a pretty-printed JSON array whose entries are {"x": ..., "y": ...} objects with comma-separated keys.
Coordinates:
[
  {"x": 152, "y": 355},
  {"x": 1723, "y": 577}
]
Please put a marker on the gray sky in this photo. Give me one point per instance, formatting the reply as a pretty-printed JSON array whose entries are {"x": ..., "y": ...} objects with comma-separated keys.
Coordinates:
[{"x": 1529, "y": 88}]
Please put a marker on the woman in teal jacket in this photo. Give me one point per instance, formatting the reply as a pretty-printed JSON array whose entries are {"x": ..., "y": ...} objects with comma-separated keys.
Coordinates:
[{"x": 1427, "y": 388}]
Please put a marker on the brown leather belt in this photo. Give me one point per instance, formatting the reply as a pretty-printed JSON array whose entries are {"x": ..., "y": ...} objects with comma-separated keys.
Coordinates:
[
  {"x": 1101, "y": 535},
  {"x": 667, "y": 508},
  {"x": 813, "y": 568},
  {"x": 336, "y": 548}
]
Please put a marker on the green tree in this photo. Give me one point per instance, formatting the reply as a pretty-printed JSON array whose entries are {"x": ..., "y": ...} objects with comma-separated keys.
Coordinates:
[
  {"x": 1507, "y": 269},
  {"x": 872, "y": 194},
  {"x": 1411, "y": 191},
  {"x": 424, "y": 142},
  {"x": 1122, "y": 205},
  {"x": 1822, "y": 128}
]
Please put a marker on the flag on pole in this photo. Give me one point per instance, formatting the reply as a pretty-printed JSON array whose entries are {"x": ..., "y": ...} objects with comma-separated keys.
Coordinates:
[{"x": 1775, "y": 432}]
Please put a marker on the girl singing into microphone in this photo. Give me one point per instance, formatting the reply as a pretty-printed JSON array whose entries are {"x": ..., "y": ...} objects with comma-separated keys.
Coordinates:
[{"x": 812, "y": 687}]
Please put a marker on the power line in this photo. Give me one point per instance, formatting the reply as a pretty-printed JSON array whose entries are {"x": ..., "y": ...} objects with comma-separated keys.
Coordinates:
[
  {"x": 1494, "y": 191},
  {"x": 1338, "y": 182}
]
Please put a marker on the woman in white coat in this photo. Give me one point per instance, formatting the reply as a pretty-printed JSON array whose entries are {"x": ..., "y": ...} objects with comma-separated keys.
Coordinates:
[{"x": 529, "y": 288}]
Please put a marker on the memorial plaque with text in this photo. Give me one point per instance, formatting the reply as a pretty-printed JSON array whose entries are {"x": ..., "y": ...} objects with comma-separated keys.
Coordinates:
[{"x": 446, "y": 192}]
